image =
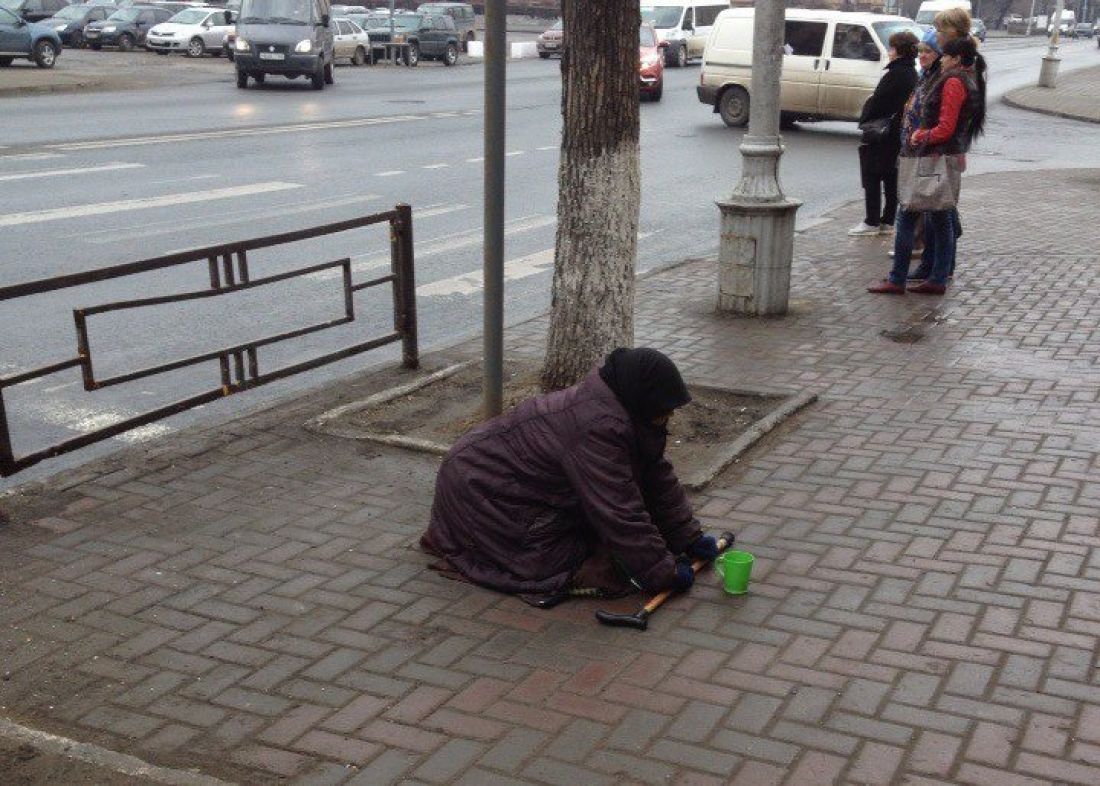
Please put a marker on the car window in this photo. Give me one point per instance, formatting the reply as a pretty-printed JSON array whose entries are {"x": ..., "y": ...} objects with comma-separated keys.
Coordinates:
[
  {"x": 706, "y": 14},
  {"x": 689, "y": 20},
  {"x": 355, "y": 29},
  {"x": 345, "y": 28},
  {"x": 98, "y": 13},
  {"x": 886, "y": 29},
  {"x": 854, "y": 42},
  {"x": 806, "y": 39},
  {"x": 662, "y": 17}
]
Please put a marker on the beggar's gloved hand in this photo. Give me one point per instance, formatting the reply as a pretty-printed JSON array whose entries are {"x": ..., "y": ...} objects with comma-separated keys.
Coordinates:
[
  {"x": 704, "y": 547},
  {"x": 685, "y": 576}
]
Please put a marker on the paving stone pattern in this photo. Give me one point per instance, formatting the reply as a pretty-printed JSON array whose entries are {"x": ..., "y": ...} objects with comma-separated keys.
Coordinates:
[{"x": 249, "y": 600}]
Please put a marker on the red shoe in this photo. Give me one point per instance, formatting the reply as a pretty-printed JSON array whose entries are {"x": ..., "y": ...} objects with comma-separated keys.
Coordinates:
[
  {"x": 886, "y": 287},
  {"x": 928, "y": 288}
]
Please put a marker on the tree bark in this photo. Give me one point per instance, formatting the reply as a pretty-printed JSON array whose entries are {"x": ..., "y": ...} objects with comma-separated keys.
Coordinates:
[{"x": 599, "y": 189}]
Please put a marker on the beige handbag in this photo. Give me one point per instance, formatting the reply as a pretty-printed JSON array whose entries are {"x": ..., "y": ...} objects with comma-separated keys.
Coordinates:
[{"x": 929, "y": 182}]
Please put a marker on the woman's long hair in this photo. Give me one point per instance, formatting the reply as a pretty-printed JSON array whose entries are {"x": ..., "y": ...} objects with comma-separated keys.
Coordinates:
[{"x": 967, "y": 52}]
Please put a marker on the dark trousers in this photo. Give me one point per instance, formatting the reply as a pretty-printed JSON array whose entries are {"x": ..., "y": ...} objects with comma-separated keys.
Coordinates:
[
  {"x": 874, "y": 184},
  {"x": 939, "y": 248}
]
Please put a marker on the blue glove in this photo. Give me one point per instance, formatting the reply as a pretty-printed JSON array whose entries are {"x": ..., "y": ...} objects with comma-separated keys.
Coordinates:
[
  {"x": 705, "y": 547},
  {"x": 685, "y": 577}
]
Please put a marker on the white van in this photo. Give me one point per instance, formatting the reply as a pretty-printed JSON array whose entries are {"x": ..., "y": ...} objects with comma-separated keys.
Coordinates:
[
  {"x": 831, "y": 64},
  {"x": 926, "y": 14},
  {"x": 682, "y": 26}
]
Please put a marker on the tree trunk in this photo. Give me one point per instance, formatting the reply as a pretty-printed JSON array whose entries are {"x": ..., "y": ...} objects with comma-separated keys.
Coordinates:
[{"x": 599, "y": 189}]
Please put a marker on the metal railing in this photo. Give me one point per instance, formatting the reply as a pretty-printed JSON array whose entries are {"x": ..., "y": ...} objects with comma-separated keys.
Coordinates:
[{"x": 239, "y": 363}]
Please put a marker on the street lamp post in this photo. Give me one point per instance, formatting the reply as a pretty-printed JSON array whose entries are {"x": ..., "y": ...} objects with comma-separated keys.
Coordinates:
[
  {"x": 493, "y": 335},
  {"x": 1048, "y": 72},
  {"x": 757, "y": 220}
]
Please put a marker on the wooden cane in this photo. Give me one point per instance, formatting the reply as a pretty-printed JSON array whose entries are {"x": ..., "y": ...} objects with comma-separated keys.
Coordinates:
[{"x": 640, "y": 619}]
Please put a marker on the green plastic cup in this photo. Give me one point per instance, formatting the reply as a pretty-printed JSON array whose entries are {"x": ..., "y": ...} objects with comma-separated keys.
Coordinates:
[{"x": 734, "y": 567}]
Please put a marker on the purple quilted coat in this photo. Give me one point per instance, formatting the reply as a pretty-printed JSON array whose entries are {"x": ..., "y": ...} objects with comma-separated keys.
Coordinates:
[{"x": 522, "y": 500}]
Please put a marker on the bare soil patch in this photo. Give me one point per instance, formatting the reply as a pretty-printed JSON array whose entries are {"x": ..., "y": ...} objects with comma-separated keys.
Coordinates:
[{"x": 703, "y": 436}]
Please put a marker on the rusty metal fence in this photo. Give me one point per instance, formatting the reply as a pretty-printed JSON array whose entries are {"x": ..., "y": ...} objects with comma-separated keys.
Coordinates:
[{"x": 239, "y": 363}]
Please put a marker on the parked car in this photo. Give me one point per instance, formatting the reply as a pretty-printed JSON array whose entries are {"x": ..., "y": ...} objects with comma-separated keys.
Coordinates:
[
  {"x": 550, "y": 41},
  {"x": 832, "y": 62},
  {"x": 432, "y": 37},
  {"x": 463, "y": 15},
  {"x": 31, "y": 40},
  {"x": 651, "y": 66},
  {"x": 33, "y": 10},
  {"x": 350, "y": 42},
  {"x": 343, "y": 10},
  {"x": 195, "y": 31},
  {"x": 228, "y": 42},
  {"x": 978, "y": 29},
  {"x": 126, "y": 27},
  {"x": 290, "y": 38},
  {"x": 69, "y": 22},
  {"x": 1084, "y": 30}
]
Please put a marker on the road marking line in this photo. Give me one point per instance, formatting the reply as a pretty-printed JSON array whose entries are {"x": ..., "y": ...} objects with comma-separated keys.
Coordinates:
[
  {"x": 75, "y": 171},
  {"x": 390, "y": 173},
  {"x": 176, "y": 226},
  {"x": 547, "y": 147},
  {"x": 477, "y": 160},
  {"x": 471, "y": 283},
  {"x": 362, "y": 263},
  {"x": 243, "y": 132},
  {"x": 168, "y": 200},
  {"x": 440, "y": 210},
  {"x": 435, "y": 166},
  {"x": 514, "y": 270},
  {"x": 515, "y": 153},
  {"x": 31, "y": 157}
]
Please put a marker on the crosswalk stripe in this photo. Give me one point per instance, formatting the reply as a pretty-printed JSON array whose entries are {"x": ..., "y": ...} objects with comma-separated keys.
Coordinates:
[
  {"x": 167, "y": 200},
  {"x": 471, "y": 283},
  {"x": 87, "y": 170}
]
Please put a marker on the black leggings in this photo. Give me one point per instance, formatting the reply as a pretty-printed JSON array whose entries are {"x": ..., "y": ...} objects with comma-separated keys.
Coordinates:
[{"x": 873, "y": 186}]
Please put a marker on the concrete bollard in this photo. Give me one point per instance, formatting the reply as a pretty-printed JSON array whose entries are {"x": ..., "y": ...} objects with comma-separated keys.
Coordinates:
[{"x": 524, "y": 49}]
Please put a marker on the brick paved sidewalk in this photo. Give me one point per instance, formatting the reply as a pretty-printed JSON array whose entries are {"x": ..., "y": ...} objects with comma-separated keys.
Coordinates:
[
  {"x": 1076, "y": 95},
  {"x": 925, "y": 609}
]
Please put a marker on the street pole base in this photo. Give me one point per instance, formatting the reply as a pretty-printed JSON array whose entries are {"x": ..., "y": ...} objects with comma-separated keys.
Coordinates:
[
  {"x": 1048, "y": 72},
  {"x": 755, "y": 255}
]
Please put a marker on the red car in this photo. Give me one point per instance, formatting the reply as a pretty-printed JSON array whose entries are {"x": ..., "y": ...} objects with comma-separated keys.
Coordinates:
[{"x": 651, "y": 68}]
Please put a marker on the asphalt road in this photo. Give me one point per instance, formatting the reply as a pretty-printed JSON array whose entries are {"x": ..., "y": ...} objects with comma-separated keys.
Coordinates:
[{"x": 89, "y": 180}]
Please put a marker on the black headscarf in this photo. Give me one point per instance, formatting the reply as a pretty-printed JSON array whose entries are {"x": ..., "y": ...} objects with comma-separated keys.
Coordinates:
[{"x": 645, "y": 381}]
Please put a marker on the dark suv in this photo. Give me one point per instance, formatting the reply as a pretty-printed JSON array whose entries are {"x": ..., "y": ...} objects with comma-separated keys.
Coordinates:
[
  {"x": 126, "y": 27},
  {"x": 431, "y": 36},
  {"x": 71, "y": 20},
  {"x": 463, "y": 15}
]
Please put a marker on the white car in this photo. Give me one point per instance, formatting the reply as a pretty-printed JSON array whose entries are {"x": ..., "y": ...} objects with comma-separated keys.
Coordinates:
[
  {"x": 350, "y": 41},
  {"x": 195, "y": 31}
]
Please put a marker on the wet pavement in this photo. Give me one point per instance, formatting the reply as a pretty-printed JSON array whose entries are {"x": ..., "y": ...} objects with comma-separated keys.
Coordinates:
[{"x": 925, "y": 606}]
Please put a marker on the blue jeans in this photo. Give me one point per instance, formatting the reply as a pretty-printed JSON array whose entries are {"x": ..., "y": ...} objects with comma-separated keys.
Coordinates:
[{"x": 939, "y": 248}]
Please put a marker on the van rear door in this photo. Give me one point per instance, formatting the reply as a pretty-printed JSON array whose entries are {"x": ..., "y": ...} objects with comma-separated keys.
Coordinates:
[
  {"x": 803, "y": 59},
  {"x": 853, "y": 68}
]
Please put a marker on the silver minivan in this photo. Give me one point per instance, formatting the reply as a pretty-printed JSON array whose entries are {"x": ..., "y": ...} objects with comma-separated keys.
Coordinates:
[{"x": 291, "y": 38}]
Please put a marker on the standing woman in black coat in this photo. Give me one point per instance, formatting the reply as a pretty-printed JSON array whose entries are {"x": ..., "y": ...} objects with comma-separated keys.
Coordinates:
[{"x": 881, "y": 121}]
